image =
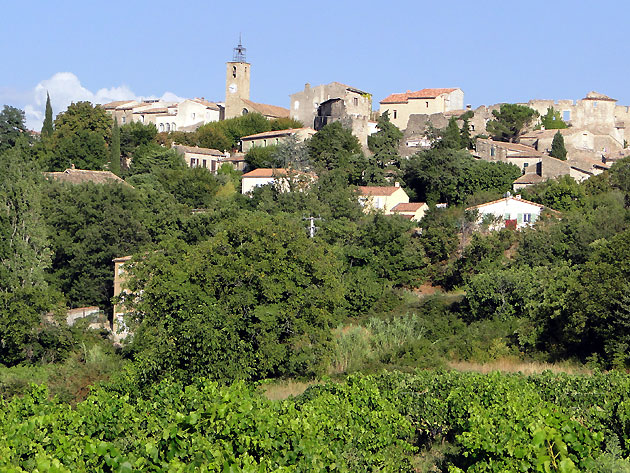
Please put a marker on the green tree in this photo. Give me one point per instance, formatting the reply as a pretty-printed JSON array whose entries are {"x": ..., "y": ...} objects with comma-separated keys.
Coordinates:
[
  {"x": 509, "y": 121},
  {"x": 384, "y": 143},
  {"x": 552, "y": 120},
  {"x": 114, "y": 165},
  {"x": 557, "y": 147},
  {"x": 12, "y": 127},
  {"x": 332, "y": 146},
  {"x": 261, "y": 157},
  {"x": 285, "y": 124},
  {"x": 291, "y": 153},
  {"x": 135, "y": 134},
  {"x": 91, "y": 224},
  {"x": 81, "y": 136},
  {"x": 47, "y": 127},
  {"x": 24, "y": 246},
  {"x": 450, "y": 136},
  {"x": 257, "y": 299},
  {"x": 84, "y": 116}
]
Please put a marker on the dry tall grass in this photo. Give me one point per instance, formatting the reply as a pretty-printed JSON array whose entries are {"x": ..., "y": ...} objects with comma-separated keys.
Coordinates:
[
  {"x": 284, "y": 389},
  {"x": 509, "y": 365}
]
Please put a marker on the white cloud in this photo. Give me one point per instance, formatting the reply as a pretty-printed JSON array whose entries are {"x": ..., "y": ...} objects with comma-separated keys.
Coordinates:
[{"x": 65, "y": 88}]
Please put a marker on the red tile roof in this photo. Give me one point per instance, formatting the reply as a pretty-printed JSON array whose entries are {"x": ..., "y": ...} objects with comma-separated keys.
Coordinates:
[
  {"x": 265, "y": 172},
  {"x": 420, "y": 94},
  {"x": 378, "y": 190},
  {"x": 79, "y": 176},
  {"x": 268, "y": 110},
  {"x": 504, "y": 200},
  {"x": 196, "y": 150},
  {"x": 408, "y": 207},
  {"x": 529, "y": 178}
]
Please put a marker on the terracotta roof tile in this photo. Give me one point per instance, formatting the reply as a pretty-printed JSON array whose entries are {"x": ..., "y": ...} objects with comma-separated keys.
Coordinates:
[
  {"x": 505, "y": 199},
  {"x": 117, "y": 103},
  {"x": 265, "y": 172},
  {"x": 378, "y": 190},
  {"x": 420, "y": 94},
  {"x": 268, "y": 110},
  {"x": 529, "y": 178},
  {"x": 80, "y": 176},
  {"x": 409, "y": 207},
  {"x": 196, "y": 150}
]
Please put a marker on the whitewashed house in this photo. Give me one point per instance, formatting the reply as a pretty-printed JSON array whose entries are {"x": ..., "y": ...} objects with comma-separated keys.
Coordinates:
[{"x": 511, "y": 212}]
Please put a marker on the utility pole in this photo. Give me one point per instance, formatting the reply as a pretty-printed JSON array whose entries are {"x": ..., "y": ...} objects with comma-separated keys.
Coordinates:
[{"x": 311, "y": 226}]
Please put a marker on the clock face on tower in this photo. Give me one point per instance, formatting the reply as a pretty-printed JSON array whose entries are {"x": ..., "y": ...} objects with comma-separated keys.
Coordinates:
[{"x": 232, "y": 88}]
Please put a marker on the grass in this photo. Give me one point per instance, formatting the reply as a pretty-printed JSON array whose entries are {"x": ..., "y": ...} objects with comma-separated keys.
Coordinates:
[
  {"x": 69, "y": 380},
  {"x": 279, "y": 390},
  {"x": 511, "y": 365}
]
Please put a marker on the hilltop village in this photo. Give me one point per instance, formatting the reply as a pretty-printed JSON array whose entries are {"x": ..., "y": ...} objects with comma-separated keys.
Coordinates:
[
  {"x": 402, "y": 283},
  {"x": 593, "y": 128}
]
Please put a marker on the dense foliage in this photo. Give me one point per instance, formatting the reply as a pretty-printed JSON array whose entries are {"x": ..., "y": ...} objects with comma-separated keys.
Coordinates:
[{"x": 390, "y": 422}]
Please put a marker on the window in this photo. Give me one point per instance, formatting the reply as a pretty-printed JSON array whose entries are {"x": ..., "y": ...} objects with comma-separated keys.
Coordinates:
[
  {"x": 492, "y": 152},
  {"x": 356, "y": 101},
  {"x": 395, "y": 114},
  {"x": 527, "y": 218},
  {"x": 245, "y": 111},
  {"x": 472, "y": 127},
  {"x": 142, "y": 118},
  {"x": 161, "y": 127},
  {"x": 264, "y": 142},
  {"x": 124, "y": 119},
  {"x": 427, "y": 104},
  {"x": 192, "y": 162},
  {"x": 193, "y": 115},
  {"x": 234, "y": 71},
  {"x": 296, "y": 105},
  {"x": 205, "y": 165},
  {"x": 595, "y": 104},
  {"x": 173, "y": 127},
  {"x": 213, "y": 165},
  {"x": 168, "y": 127}
]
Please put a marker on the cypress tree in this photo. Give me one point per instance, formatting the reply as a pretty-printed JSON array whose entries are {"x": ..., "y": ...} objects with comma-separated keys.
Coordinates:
[
  {"x": 114, "y": 165},
  {"x": 557, "y": 147},
  {"x": 47, "y": 128}
]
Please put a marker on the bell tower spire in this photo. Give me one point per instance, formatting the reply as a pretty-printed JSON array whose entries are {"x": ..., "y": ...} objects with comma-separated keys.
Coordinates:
[{"x": 237, "y": 83}]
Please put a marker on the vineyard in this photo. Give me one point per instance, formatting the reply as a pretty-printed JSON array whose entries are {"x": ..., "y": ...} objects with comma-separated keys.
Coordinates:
[{"x": 427, "y": 421}]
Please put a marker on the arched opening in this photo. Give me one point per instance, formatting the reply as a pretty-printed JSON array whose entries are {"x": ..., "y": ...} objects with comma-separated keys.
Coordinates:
[
  {"x": 173, "y": 127},
  {"x": 161, "y": 127},
  {"x": 245, "y": 111}
]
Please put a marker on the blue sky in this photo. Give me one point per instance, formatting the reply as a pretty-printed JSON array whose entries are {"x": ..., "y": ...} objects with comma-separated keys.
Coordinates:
[{"x": 495, "y": 51}]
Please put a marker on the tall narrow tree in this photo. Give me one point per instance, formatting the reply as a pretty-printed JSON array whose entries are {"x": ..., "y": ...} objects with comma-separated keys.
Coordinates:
[
  {"x": 114, "y": 165},
  {"x": 558, "y": 149},
  {"x": 47, "y": 128}
]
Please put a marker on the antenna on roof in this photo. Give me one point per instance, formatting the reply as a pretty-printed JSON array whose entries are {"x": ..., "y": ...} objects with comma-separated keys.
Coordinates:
[{"x": 239, "y": 51}]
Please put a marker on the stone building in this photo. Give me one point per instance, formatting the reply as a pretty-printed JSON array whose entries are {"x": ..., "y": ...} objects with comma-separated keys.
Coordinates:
[
  {"x": 596, "y": 113},
  {"x": 323, "y": 104},
  {"x": 237, "y": 82},
  {"x": 305, "y": 104},
  {"x": 425, "y": 102},
  {"x": 207, "y": 158},
  {"x": 187, "y": 115},
  {"x": 269, "y": 138}
]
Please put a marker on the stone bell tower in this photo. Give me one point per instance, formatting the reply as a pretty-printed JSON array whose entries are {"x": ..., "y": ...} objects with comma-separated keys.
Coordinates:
[{"x": 237, "y": 83}]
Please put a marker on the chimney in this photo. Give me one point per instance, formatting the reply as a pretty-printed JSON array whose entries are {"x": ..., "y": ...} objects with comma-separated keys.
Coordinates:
[
  {"x": 396, "y": 184},
  {"x": 307, "y": 86}
]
